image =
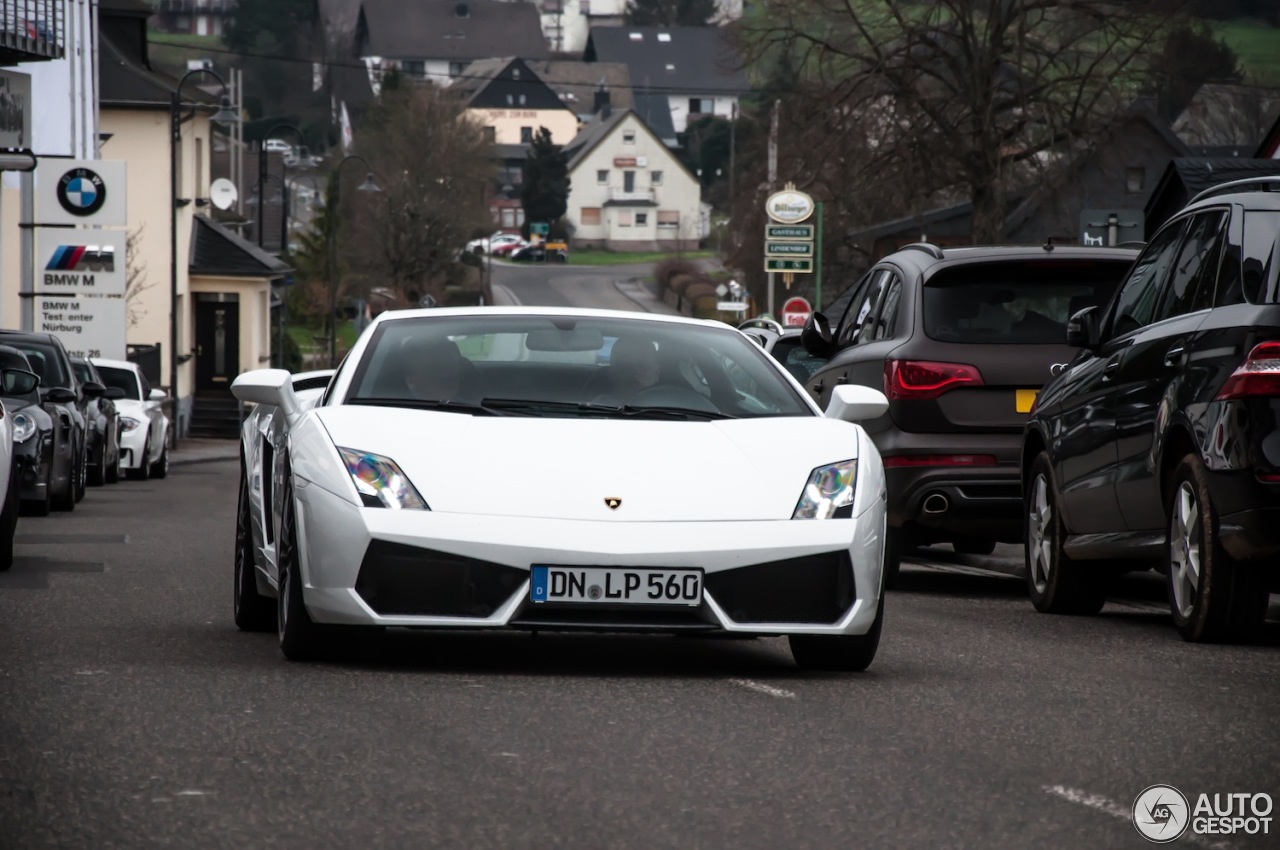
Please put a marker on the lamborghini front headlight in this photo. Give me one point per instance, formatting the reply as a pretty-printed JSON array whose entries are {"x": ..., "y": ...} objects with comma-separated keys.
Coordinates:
[
  {"x": 829, "y": 492},
  {"x": 380, "y": 482}
]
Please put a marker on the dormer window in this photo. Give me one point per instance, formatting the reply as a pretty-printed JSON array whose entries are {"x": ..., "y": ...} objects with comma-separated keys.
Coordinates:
[
  {"x": 636, "y": 36},
  {"x": 664, "y": 37}
]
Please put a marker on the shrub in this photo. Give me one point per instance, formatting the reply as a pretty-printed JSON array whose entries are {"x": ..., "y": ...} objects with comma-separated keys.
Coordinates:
[{"x": 664, "y": 272}]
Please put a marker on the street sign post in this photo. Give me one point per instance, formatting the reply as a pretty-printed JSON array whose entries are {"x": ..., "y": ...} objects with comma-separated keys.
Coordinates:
[
  {"x": 788, "y": 249},
  {"x": 802, "y": 232},
  {"x": 776, "y": 264},
  {"x": 788, "y": 246},
  {"x": 795, "y": 312}
]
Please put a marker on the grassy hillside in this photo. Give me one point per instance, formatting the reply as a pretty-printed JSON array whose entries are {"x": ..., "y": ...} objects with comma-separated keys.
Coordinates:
[{"x": 1258, "y": 47}]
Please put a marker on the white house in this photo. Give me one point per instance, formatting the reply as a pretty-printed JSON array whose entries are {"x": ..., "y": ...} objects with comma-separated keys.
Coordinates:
[{"x": 628, "y": 192}]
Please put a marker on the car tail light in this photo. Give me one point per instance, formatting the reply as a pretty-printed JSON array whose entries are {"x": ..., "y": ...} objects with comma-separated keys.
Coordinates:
[
  {"x": 1258, "y": 375},
  {"x": 1269, "y": 477},
  {"x": 919, "y": 379},
  {"x": 902, "y": 461}
]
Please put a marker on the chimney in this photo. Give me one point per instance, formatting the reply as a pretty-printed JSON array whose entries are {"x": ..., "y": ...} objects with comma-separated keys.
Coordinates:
[{"x": 602, "y": 106}]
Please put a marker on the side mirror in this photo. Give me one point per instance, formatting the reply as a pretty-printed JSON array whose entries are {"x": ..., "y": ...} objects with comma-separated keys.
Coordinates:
[
  {"x": 1082, "y": 329},
  {"x": 113, "y": 393},
  {"x": 60, "y": 395},
  {"x": 853, "y": 403},
  {"x": 816, "y": 336},
  {"x": 93, "y": 389},
  {"x": 157, "y": 395},
  {"x": 267, "y": 386},
  {"x": 18, "y": 381}
]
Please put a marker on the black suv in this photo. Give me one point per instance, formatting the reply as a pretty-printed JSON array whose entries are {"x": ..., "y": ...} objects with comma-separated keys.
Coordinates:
[
  {"x": 1159, "y": 446},
  {"x": 960, "y": 341},
  {"x": 65, "y": 399}
]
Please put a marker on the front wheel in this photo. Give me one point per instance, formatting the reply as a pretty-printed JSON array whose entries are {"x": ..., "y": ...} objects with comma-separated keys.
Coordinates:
[
  {"x": 97, "y": 476},
  {"x": 301, "y": 639},
  {"x": 9, "y": 520},
  {"x": 1055, "y": 583},
  {"x": 1212, "y": 596},
  {"x": 160, "y": 469},
  {"x": 82, "y": 473},
  {"x": 65, "y": 499},
  {"x": 143, "y": 470},
  {"x": 893, "y": 546},
  {"x": 843, "y": 653}
]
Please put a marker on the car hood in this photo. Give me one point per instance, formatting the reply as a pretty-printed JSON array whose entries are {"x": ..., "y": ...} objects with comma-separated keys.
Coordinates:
[{"x": 663, "y": 471}]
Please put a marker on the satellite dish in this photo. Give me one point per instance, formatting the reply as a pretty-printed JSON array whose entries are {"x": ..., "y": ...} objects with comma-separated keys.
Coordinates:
[{"x": 222, "y": 193}]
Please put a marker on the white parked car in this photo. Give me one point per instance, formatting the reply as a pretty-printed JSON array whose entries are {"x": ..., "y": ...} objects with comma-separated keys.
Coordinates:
[
  {"x": 497, "y": 240},
  {"x": 144, "y": 427},
  {"x": 496, "y": 468}
]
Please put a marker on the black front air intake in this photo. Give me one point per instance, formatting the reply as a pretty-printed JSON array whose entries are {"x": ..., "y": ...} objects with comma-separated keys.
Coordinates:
[
  {"x": 812, "y": 589},
  {"x": 398, "y": 579}
]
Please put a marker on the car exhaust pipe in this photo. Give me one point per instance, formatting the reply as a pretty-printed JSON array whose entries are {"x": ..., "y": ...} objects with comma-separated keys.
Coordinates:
[{"x": 935, "y": 504}]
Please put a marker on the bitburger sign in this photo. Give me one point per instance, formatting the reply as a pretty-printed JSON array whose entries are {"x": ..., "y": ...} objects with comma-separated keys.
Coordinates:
[{"x": 789, "y": 206}]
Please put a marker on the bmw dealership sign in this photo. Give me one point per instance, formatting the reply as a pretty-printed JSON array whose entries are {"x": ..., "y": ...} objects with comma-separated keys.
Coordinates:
[{"x": 80, "y": 192}]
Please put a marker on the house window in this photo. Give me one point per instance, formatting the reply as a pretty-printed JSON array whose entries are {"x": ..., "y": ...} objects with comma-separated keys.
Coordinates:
[
  {"x": 497, "y": 219},
  {"x": 526, "y": 135},
  {"x": 671, "y": 68},
  {"x": 664, "y": 37},
  {"x": 628, "y": 137},
  {"x": 491, "y": 134},
  {"x": 1133, "y": 180},
  {"x": 602, "y": 178},
  {"x": 628, "y": 181},
  {"x": 701, "y": 106},
  {"x": 668, "y": 218},
  {"x": 590, "y": 216},
  {"x": 456, "y": 68},
  {"x": 520, "y": 217},
  {"x": 624, "y": 218},
  {"x": 642, "y": 219},
  {"x": 417, "y": 70},
  {"x": 655, "y": 178},
  {"x": 511, "y": 100},
  {"x": 509, "y": 217}
]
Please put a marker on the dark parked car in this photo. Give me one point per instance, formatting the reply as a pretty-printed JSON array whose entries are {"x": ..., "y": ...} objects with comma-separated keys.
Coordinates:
[
  {"x": 65, "y": 399},
  {"x": 103, "y": 466},
  {"x": 1159, "y": 445},
  {"x": 960, "y": 341},
  {"x": 539, "y": 254},
  {"x": 34, "y": 437}
]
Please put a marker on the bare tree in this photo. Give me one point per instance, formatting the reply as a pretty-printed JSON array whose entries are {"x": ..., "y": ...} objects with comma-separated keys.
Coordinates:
[
  {"x": 967, "y": 95},
  {"x": 135, "y": 281},
  {"x": 433, "y": 166}
]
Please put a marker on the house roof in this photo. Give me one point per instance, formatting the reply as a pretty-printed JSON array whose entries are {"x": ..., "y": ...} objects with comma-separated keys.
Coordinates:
[
  {"x": 596, "y": 131},
  {"x": 450, "y": 29},
  {"x": 1186, "y": 177},
  {"x": 487, "y": 81},
  {"x": 692, "y": 60},
  {"x": 1221, "y": 115},
  {"x": 125, "y": 76},
  {"x": 655, "y": 111},
  {"x": 217, "y": 251},
  {"x": 924, "y": 220},
  {"x": 576, "y": 82}
]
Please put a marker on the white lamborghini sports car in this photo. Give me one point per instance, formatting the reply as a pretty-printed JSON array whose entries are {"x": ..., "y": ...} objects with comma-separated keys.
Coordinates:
[{"x": 558, "y": 469}]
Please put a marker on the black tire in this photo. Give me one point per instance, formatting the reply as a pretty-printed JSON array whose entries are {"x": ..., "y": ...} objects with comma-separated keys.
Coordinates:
[
  {"x": 97, "y": 474},
  {"x": 844, "y": 653},
  {"x": 893, "y": 547},
  {"x": 160, "y": 469},
  {"x": 9, "y": 520},
  {"x": 253, "y": 612},
  {"x": 1055, "y": 583},
  {"x": 1220, "y": 599},
  {"x": 974, "y": 547},
  {"x": 143, "y": 470},
  {"x": 301, "y": 639},
  {"x": 66, "y": 499},
  {"x": 83, "y": 473},
  {"x": 113, "y": 471}
]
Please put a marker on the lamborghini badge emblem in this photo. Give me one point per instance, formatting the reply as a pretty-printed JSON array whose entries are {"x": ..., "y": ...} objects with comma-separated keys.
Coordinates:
[{"x": 613, "y": 502}]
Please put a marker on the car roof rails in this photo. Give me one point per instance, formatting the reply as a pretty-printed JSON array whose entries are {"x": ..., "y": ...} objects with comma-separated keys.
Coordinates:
[
  {"x": 1267, "y": 184},
  {"x": 927, "y": 247}
]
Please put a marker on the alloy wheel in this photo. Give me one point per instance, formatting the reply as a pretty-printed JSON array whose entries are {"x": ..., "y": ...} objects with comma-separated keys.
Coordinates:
[
  {"x": 1040, "y": 534},
  {"x": 1185, "y": 534}
]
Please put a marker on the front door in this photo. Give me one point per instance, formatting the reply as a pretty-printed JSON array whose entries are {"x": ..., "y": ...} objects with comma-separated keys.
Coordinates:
[{"x": 217, "y": 344}]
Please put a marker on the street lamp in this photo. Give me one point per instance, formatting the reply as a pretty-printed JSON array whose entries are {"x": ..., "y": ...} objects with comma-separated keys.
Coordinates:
[
  {"x": 262, "y": 172},
  {"x": 224, "y": 116},
  {"x": 335, "y": 184}
]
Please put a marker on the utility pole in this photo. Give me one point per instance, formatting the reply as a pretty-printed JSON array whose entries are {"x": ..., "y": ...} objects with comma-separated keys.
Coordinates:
[{"x": 773, "y": 180}]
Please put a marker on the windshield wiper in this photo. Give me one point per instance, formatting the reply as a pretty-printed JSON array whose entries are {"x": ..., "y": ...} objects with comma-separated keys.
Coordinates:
[
  {"x": 448, "y": 405},
  {"x": 628, "y": 410}
]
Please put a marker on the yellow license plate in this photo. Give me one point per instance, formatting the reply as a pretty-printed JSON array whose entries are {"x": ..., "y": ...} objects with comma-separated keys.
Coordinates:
[{"x": 1026, "y": 398}]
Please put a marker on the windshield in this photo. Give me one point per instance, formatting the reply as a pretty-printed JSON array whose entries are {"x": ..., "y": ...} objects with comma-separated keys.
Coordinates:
[
  {"x": 123, "y": 379},
  {"x": 1016, "y": 303},
  {"x": 83, "y": 373},
  {"x": 45, "y": 362},
  {"x": 571, "y": 366}
]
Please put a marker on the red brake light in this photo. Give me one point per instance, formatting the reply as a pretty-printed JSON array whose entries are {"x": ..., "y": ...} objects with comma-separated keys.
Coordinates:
[
  {"x": 900, "y": 461},
  {"x": 919, "y": 379},
  {"x": 1258, "y": 375}
]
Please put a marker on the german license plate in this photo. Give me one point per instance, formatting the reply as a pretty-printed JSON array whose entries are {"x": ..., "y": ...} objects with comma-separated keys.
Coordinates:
[
  {"x": 1025, "y": 399},
  {"x": 616, "y": 585}
]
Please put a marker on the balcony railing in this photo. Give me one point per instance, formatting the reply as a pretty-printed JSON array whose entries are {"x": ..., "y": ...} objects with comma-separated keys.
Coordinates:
[
  {"x": 196, "y": 7},
  {"x": 634, "y": 196},
  {"x": 31, "y": 30}
]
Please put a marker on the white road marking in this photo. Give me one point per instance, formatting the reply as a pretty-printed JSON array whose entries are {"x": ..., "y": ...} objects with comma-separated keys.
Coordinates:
[
  {"x": 90, "y": 672},
  {"x": 959, "y": 569},
  {"x": 1099, "y": 803},
  {"x": 761, "y": 687},
  {"x": 193, "y": 793}
]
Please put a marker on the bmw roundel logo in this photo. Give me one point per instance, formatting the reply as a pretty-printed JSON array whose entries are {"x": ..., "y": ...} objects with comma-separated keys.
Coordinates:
[{"x": 81, "y": 192}]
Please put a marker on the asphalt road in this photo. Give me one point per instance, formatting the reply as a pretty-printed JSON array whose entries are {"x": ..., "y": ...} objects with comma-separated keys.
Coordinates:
[
  {"x": 554, "y": 285},
  {"x": 133, "y": 714}
]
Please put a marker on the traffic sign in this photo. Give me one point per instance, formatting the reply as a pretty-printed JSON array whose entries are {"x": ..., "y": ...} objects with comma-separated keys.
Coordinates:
[
  {"x": 803, "y": 232},
  {"x": 732, "y": 306},
  {"x": 776, "y": 264},
  {"x": 539, "y": 227},
  {"x": 788, "y": 249},
  {"x": 795, "y": 312}
]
